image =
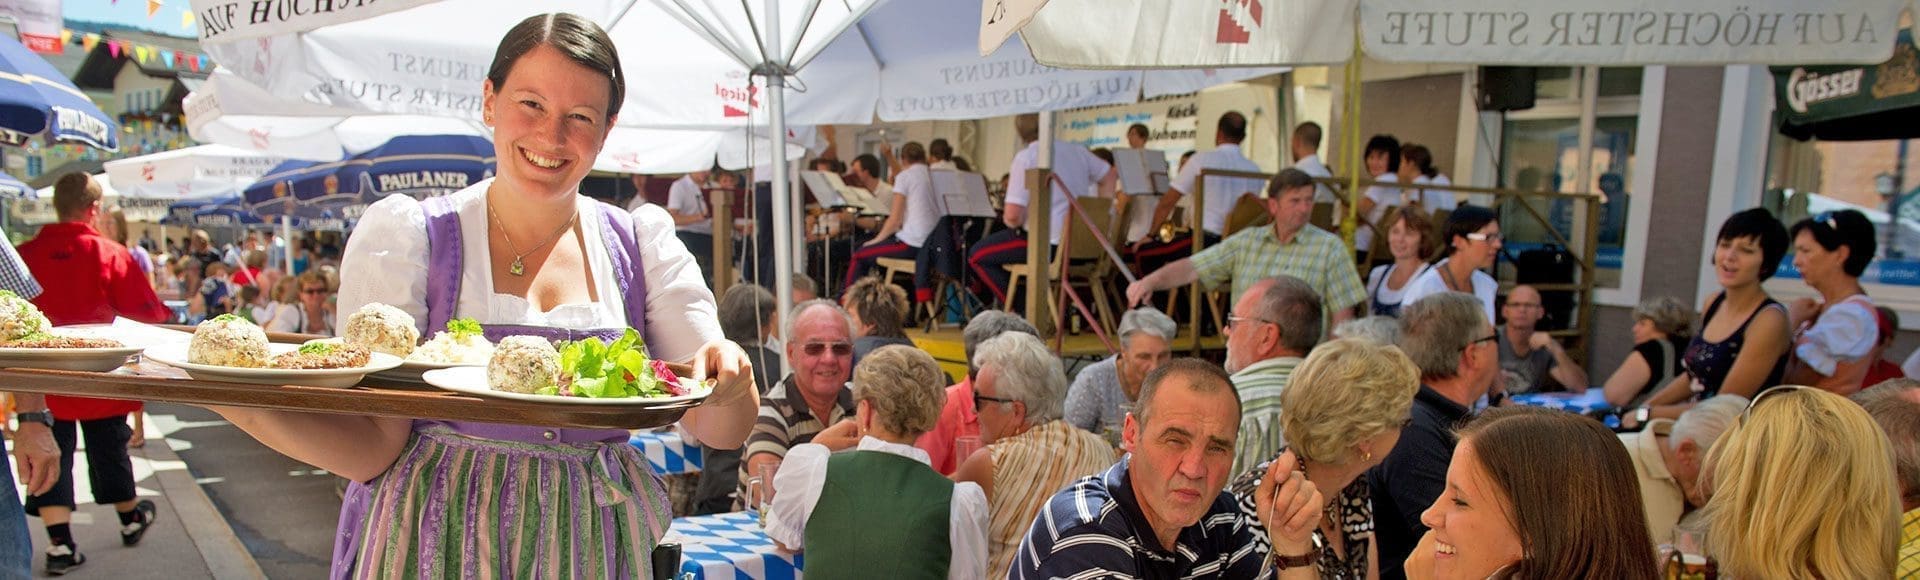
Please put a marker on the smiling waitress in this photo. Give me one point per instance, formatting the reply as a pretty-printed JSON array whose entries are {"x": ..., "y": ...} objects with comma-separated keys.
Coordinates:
[{"x": 523, "y": 253}]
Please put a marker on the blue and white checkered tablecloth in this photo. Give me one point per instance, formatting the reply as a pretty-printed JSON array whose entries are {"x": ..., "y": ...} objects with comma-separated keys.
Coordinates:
[
  {"x": 1592, "y": 400},
  {"x": 730, "y": 547},
  {"x": 667, "y": 452}
]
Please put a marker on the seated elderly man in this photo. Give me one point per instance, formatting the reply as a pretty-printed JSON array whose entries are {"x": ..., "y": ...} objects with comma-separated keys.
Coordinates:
[
  {"x": 1449, "y": 338},
  {"x": 1528, "y": 357},
  {"x": 1273, "y": 326},
  {"x": 1160, "y": 512},
  {"x": 880, "y": 511},
  {"x": 1667, "y": 456},
  {"x": 1895, "y": 405},
  {"x": 1103, "y": 391},
  {"x": 1030, "y": 452},
  {"x": 747, "y": 318},
  {"x": 959, "y": 418},
  {"x": 812, "y": 404}
]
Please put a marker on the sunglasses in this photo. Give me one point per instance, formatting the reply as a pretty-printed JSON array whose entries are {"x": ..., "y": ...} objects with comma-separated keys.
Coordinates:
[
  {"x": 839, "y": 348},
  {"x": 980, "y": 401},
  {"x": 1768, "y": 393},
  {"x": 1480, "y": 237}
]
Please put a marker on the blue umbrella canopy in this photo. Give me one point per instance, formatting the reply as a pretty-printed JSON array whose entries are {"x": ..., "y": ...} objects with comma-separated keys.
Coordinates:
[
  {"x": 13, "y": 188},
  {"x": 187, "y": 212},
  {"x": 35, "y": 99},
  {"x": 425, "y": 166},
  {"x": 306, "y": 188}
]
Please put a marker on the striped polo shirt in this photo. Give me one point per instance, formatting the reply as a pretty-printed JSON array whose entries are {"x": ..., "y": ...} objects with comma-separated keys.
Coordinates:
[
  {"x": 785, "y": 421},
  {"x": 1095, "y": 529}
]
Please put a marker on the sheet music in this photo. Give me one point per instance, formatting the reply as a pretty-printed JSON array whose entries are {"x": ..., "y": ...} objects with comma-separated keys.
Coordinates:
[
  {"x": 962, "y": 194},
  {"x": 822, "y": 187},
  {"x": 1142, "y": 171}
]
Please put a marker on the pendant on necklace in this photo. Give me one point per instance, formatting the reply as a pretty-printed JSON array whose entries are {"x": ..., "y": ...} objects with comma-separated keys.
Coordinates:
[{"x": 518, "y": 268}]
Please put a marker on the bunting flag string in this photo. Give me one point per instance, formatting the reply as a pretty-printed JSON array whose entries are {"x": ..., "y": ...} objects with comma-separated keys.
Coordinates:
[{"x": 170, "y": 58}]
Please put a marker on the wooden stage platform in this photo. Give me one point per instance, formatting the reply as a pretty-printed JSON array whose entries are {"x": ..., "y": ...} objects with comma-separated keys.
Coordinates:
[{"x": 947, "y": 347}]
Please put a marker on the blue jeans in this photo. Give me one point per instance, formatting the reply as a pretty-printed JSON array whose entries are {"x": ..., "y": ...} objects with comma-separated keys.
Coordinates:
[{"x": 16, "y": 548}]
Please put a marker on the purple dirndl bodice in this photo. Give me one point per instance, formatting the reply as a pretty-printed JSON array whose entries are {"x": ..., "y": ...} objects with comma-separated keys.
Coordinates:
[{"x": 445, "y": 268}]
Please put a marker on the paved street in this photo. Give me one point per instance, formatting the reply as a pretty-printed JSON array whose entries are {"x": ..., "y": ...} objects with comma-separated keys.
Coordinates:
[{"x": 282, "y": 510}]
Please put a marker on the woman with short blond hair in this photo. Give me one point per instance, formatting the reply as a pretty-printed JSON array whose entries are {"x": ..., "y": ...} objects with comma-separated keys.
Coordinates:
[
  {"x": 1803, "y": 487},
  {"x": 1342, "y": 413}
]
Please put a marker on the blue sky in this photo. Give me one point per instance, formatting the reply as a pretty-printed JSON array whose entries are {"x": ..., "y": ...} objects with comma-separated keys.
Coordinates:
[{"x": 133, "y": 14}]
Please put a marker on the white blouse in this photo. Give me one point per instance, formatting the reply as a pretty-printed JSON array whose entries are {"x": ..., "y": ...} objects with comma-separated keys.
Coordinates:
[
  {"x": 1432, "y": 282},
  {"x": 386, "y": 261}
]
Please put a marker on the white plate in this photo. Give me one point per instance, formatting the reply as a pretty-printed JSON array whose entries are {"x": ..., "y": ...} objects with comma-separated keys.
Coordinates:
[
  {"x": 411, "y": 370},
  {"x": 473, "y": 381},
  {"x": 175, "y": 355},
  {"x": 97, "y": 360}
]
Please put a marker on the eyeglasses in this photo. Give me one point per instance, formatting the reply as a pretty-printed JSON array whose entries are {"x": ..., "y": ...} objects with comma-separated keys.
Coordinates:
[
  {"x": 839, "y": 348},
  {"x": 1233, "y": 321},
  {"x": 1480, "y": 237},
  {"x": 980, "y": 401},
  {"x": 1477, "y": 341}
]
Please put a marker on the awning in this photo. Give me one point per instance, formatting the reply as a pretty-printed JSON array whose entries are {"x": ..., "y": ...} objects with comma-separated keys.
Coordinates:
[{"x": 1852, "y": 103}]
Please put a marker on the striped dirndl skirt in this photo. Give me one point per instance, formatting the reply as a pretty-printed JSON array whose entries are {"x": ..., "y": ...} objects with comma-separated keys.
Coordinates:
[{"x": 454, "y": 506}]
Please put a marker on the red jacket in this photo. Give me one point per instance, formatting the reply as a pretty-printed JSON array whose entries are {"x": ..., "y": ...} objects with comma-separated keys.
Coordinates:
[{"x": 88, "y": 279}]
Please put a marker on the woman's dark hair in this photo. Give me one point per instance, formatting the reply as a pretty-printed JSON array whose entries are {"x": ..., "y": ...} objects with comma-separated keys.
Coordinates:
[
  {"x": 1842, "y": 228},
  {"x": 962, "y": 164},
  {"x": 940, "y": 149},
  {"x": 1759, "y": 225},
  {"x": 1465, "y": 220},
  {"x": 1422, "y": 159},
  {"x": 879, "y": 303},
  {"x": 1591, "y": 526},
  {"x": 1420, "y": 221},
  {"x": 1103, "y": 153},
  {"x": 579, "y": 39},
  {"x": 1388, "y": 145}
]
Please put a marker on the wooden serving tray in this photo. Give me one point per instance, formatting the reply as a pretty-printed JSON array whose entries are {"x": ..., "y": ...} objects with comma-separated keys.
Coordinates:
[{"x": 147, "y": 381}]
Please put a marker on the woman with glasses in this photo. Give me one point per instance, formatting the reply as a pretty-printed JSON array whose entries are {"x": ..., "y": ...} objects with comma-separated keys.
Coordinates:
[
  {"x": 1833, "y": 336},
  {"x": 1510, "y": 509},
  {"x": 1802, "y": 486},
  {"x": 524, "y": 254},
  {"x": 1742, "y": 344},
  {"x": 1473, "y": 244},
  {"x": 1345, "y": 407}
]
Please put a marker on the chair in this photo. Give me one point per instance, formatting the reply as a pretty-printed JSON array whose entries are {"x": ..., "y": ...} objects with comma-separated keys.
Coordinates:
[
  {"x": 941, "y": 286},
  {"x": 1323, "y": 217},
  {"x": 1083, "y": 261},
  {"x": 1250, "y": 211}
]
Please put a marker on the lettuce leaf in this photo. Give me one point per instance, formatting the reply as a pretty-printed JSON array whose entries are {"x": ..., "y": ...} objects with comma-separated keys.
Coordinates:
[
  {"x": 616, "y": 370},
  {"x": 463, "y": 327}
]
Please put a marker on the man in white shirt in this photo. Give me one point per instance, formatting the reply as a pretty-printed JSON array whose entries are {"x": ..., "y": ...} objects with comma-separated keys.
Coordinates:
[
  {"x": 1306, "y": 155},
  {"x": 1079, "y": 173},
  {"x": 909, "y": 220},
  {"x": 692, "y": 221},
  {"x": 1222, "y": 193}
]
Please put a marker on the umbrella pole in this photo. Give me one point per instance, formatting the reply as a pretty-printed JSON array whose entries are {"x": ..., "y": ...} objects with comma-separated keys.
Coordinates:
[
  {"x": 286, "y": 233},
  {"x": 1354, "y": 163},
  {"x": 782, "y": 202}
]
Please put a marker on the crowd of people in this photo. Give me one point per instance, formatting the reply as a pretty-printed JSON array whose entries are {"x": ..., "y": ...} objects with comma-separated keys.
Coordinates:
[{"x": 1358, "y": 428}]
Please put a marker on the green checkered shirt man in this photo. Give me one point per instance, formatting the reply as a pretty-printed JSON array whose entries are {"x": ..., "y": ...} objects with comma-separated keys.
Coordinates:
[{"x": 1314, "y": 256}]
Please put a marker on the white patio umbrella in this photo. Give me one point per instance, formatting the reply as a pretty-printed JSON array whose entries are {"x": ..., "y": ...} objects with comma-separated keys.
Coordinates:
[
  {"x": 230, "y": 111},
  {"x": 191, "y": 173}
]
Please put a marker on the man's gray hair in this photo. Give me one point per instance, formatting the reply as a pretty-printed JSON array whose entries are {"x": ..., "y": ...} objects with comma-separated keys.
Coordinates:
[
  {"x": 1293, "y": 305},
  {"x": 991, "y": 323},
  {"x": 1026, "y": 372},
  {"x": 1899, "y": 416},
  {"x": 793, "y": 318},
  {"x": 1704, "y": 423},
  {"x": 1376, "y": 329},
  {"x": 1439, "y": 328},
  {"x": 1147, "y": 320}
]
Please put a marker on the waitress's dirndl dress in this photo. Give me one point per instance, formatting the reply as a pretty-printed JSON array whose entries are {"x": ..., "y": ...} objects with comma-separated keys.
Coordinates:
[{"x": 480, "y": 500}]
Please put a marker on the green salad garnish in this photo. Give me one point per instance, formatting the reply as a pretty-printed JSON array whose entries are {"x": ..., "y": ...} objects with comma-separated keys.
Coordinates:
[
  {"x": 464, "y": 327},
  {"x": 230, "y": 317},
  {"x": 316, "y": 347},
  {"x": 593, "y": 368}
]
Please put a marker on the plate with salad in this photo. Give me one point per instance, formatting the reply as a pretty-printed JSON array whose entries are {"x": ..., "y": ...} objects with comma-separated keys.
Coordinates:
[{"x": 582, "y": 372}]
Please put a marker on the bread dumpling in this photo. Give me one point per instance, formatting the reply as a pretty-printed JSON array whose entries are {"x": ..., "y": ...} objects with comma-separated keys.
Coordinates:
[
  {"x": 382, "y": 328},
  {"x": 18, "y": 317},
  {"x": 523, "y": 364},
  {"x": 229, "y": 341}
]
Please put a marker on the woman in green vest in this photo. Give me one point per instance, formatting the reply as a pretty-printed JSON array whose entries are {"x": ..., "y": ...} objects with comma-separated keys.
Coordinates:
[{"x": 881, "y": 511}]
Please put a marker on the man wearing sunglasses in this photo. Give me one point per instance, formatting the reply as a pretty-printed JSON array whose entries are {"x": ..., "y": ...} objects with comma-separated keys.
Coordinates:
[
  {"x": 813, "y": 404},
  {"x": 1449, "y": 338}
]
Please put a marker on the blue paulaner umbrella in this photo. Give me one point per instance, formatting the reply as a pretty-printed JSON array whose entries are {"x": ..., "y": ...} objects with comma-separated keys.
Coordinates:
[
  {"x": 186, "y": 212},
  {"x": 13, "y": 188},
  {"x": 306, "y": 188},
  {"x": 424, "y": 166},
  {"x": 35, "y": 99}
]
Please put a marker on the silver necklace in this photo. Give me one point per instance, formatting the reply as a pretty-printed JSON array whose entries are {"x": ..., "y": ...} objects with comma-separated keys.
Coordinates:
[{"x": 519, "y": 265}]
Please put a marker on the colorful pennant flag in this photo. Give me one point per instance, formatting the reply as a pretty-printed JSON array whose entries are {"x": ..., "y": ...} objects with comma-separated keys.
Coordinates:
[
  {"x": 66, "y": 37},
  {"x": 166, "y": 57},
  {"x": 113, "y": 48},
  {"x": 89, "y": 41},
  {"x": 186, "y": 19},
  {"x": 153, "y": 7}
]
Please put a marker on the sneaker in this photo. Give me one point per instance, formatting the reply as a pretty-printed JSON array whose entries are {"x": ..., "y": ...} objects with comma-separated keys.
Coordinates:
[
  {"x": 62, "y": 559},
  {"x": 130, "y": 534}
]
